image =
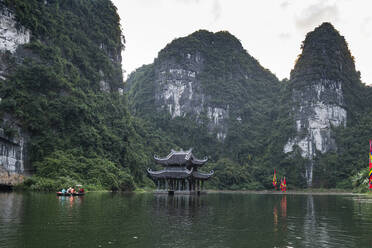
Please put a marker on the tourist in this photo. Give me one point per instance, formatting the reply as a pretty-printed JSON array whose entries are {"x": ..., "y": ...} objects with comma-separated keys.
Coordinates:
[
  {"x": 81, "y": 191},
  {"x": 63, "y": 191}
]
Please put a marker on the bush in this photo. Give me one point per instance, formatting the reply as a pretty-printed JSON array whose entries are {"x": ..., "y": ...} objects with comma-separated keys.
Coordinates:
[{"x": 63, "y": 169}]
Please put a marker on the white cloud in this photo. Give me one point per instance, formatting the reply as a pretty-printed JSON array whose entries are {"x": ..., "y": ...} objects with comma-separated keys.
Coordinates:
[
  {"x": 315, "y": 14},
  {"x": 270, "y": 30},
  {"x": 216, "y": 10},
  {"x": 285, "y": 4},
  {"x": 284, "y": 35}
]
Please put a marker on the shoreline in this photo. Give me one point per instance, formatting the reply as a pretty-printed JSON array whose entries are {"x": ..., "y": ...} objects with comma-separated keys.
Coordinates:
[
  {"x": 213, "y": 191},
  {"x": 289, "y": 192}
]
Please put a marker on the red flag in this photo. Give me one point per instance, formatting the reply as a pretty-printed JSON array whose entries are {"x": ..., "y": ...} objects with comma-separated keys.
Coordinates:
[
  {"x": 281, "y": 184},
  {"x": 370, "y": 155},
  {"x": 284, "y": 185},
  {"x": 274, "y": 179}
]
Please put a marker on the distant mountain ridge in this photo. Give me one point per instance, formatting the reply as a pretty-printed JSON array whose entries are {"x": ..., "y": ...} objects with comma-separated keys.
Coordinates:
[
  {"x": 65, "y": 116},
  {"x": 210, "y": 78},
  {"x": 192, "y": 76}
]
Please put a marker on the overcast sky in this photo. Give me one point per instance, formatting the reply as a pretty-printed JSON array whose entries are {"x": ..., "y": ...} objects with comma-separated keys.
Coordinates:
[{"x": 270, "y": 30}]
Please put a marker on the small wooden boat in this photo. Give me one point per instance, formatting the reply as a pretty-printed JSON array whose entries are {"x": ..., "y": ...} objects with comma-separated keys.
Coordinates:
[{"x": 69, "y": 194}]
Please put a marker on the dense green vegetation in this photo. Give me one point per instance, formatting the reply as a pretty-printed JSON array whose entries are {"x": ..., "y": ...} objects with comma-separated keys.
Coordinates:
[
  {"x": 254, "y": 146},
  {"x": 81, "y": 133},
  {"x": 229, "y": 77},
  {"x": 78, "y": 133}
]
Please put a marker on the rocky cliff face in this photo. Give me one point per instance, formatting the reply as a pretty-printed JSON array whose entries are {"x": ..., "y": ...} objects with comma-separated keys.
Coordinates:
[
  {"x": 13, "y": 156},
  {"x": 318, "y": 96},
  {"x": 317, "y": 108},
  {"x": 11, "y": 34},
  {"x": 179, "y": 91}
]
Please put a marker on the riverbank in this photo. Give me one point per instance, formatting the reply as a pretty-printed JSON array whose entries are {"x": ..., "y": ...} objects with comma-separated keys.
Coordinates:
[
  {"x": 145, "y": 190},
  {"x": 289, "y": 192},
  {"x": 319, "y": 191}
]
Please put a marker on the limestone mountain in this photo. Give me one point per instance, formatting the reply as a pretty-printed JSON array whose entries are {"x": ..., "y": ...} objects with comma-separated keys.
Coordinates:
[
  {"x": 208, "y": 78},
  {"x": 65, "y": 110},
  {"x": 326, "y": 92},
  {"x": 205, "y": 90}
]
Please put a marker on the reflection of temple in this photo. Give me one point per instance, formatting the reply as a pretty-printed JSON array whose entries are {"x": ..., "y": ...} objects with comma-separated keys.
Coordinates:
[{"x": 180, "y": 174}]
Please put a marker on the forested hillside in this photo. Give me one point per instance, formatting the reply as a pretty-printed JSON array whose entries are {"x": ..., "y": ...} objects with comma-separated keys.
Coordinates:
[
  {"x": 64, "y": 89},
  {"x": 205, "y": 91},
  {"x": 68, "y": 116}
]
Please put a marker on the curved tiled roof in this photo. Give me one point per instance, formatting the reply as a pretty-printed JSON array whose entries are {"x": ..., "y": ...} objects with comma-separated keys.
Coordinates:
[
  {"x": 171, "y": 172},
  {"x": 202, "y": 175},
  {"x": 178, "y": 158}
]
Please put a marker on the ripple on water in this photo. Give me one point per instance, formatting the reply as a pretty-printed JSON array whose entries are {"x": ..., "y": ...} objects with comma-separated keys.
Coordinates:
[{"x": 216, "y": 220}]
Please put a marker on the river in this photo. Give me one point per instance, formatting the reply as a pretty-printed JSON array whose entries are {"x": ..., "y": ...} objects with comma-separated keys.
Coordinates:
[{"x": 213, "y": 220}]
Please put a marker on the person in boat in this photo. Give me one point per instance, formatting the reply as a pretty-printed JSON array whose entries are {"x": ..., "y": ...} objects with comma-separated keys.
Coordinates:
[
  {"x": 69, "y": 190},
  {"x": 81, "y": 191},
  {"x": 72, "y": 191},
  {"x": 63, "y": 191}
]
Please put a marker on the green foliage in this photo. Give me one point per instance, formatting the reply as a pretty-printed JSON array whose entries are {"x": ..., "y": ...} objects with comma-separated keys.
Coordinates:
[
  {"x": 325, "y": 55},
  {"x": 82, "y": 135},
  {"x": 229, "y": 78},
  {"x": 95, "y": 170},
  {"x": 254, "y": 145},
  {"x": 230, "y": 175},
  {"x": 77, "y": 131},
  {"x": 348, "y": 168}
]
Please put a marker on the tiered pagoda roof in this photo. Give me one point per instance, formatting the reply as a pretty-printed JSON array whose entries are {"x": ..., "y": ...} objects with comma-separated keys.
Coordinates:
[
  {"x": 180, "y": 165},
  {"x": 180, "y": 158},
  {"x": 176, "y": 173}
]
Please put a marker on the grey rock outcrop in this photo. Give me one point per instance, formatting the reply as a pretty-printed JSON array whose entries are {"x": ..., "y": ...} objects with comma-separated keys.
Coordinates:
[
  {"x": 178, "y": 90},
  {"x": 318, "y": 93},
  {"x": 317, "y": 108},
  {"x": 13, "y": 152},
  {"x": 13, "y": 155},
  {"x": 208, "y": 77},
  {"x": 11, "y": 34}
]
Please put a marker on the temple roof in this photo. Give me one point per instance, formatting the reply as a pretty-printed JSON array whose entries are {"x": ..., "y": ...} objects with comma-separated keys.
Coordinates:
[
  {"x": 179, "y": 173},
  {"x": 171, "y": 172},
  {"x": 202, "y": 175},
  {"x": 180, "y": 158}
]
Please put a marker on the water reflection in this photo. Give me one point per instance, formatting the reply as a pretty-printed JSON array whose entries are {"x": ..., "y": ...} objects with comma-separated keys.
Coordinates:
[
  {"x": 11, "y": 209},
  {"x": 283, "y": 215},
  {"x": 179, "y": 205},
  {"x": 70, "y": 201},
  {"x": 283, "y": 206},
  {"x": 275, "y": 213},
  {"x": 326, "y": 222},
  {"x": 309, "y": 221},
  {"x": 214, "y": 220}
]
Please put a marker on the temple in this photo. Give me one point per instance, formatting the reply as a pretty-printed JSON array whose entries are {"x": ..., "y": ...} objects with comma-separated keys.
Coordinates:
[{"x": 180, "y": 174}]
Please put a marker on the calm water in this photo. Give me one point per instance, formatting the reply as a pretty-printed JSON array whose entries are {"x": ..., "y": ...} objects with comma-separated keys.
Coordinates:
[{"x": 213, "y": 220}]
